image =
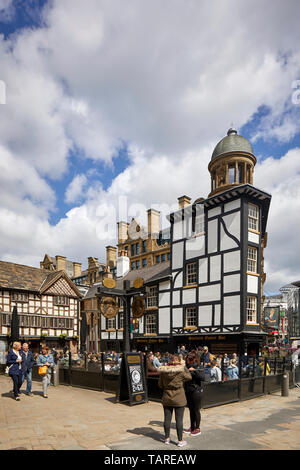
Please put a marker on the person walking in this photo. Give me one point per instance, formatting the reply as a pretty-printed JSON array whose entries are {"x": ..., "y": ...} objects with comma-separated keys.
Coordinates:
[
  {"x": 171, "y": 381},
  {"x": 14, "y": 362},
  {"x": 193, "y": 392},
  {"x": 45, "y": 359},
  {"x": 27, "y": 365}
]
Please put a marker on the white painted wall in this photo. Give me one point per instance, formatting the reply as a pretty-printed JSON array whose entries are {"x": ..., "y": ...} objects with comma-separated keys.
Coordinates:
[
  {"x": 189, "y": 296},
  {"x": 164, "y": 299},
  {"x": 205, "y": 315},
  {"x": 177, "y": 255},
  {"x": 212, "y": 236},
  {"x": 227, "y": 243},
  {"x": 230, "y": 206},
  {"x": 253, "y": 237},
  {"x": 178, "y": 280},
  {"x": 195, "y": 246},
  {"x": 164, "y": 320},
  {"x": 252, "y": 284},
  {"x": 233, "y": 223},
  {"x": 164, "y": 285},
  {"x": 232, "y": 283},
  {"x": 177, "y": 230},
  {"x": 232, "y": 261},
  {"x": 215, "y": 268},
  {"x": 176, "y": 297},
  {"x": 213, "y": 212},
  {"x": 177, "y": 317},
  {"x": 203, "y": 270},
  {"x": 232, "y": 307},
  {"x": 210, "y": 293},
  {"x": 217, "y": 314}
]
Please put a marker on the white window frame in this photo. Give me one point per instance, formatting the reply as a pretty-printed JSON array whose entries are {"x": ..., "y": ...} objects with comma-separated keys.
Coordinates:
[
  {"x": 150, "y": 323},
  {"x": 152, "y": 297},
  {"x": 190, "y": 316},
  {"x": 111, "y": 323},
  {"x": 252, "y": 259},
  {"x": 253, "y": 216},
  {"x": 191, "y": 273},
  {"x": 251, "y": 309}
]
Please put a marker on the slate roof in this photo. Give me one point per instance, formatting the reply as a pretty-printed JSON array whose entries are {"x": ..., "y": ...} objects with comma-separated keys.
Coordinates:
[
  {"x": 27, "y": 278},
  {"x": 149, "y": 274}
]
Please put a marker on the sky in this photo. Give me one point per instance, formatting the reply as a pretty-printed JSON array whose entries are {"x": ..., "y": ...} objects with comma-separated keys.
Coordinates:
[{"x": 110, "y": 108}]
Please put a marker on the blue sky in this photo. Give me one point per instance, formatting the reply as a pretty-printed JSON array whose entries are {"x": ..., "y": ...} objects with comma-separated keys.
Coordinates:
[{"x": 105, "y": 101}]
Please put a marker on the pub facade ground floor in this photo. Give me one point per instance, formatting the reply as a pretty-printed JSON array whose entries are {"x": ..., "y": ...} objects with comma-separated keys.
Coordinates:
[{"x": 239, "y": 343}]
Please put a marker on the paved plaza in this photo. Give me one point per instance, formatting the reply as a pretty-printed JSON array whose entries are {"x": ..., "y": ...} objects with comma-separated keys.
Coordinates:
[{"x": 79, "y": 419}]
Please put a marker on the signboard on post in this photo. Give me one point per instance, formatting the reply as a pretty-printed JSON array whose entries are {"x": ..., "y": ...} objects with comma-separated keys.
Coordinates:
[
  {"x": 132, "y": 385},
  {"x": 271, "y": 318}
]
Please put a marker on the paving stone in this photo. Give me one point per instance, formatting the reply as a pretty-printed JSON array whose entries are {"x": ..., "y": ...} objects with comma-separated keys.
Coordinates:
[{"x": 77, "y": 419}]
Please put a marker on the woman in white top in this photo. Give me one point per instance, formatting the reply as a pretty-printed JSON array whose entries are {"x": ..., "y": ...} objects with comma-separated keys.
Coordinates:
[{"x": 14, "y": 362}]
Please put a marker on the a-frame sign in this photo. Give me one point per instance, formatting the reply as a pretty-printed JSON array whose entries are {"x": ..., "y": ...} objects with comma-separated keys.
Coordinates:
[{"x": 132, "y": 383}]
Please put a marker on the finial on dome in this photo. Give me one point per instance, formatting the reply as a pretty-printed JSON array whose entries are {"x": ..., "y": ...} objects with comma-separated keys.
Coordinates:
[{"x": 231, "y": 131}]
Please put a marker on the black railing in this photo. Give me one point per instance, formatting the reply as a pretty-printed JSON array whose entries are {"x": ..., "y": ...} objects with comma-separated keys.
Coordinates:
[{"x": 257, "y": 376}]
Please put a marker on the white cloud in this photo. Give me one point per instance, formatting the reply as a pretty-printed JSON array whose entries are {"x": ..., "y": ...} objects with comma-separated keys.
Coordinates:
[
  {"x": 160, "y": 77},
  {"x": 75, "y": 189}
]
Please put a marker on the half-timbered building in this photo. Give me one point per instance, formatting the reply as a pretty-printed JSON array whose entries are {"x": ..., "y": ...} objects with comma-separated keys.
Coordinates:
[
  {"x": 47, "y": 305},
  {"x": 211, "y": 290}
]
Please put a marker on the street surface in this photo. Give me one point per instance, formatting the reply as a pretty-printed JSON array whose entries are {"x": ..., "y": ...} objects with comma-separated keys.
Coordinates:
[{"x": 74, "y": 419}]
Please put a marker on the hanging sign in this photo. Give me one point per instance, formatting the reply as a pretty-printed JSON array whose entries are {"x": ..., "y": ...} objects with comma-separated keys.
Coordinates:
[
  {"x": 138, "y": 283},
  {"x": 109, "y": 307},
  {"x": 138, "y": 307},
  {"x": 132, "y": 385},
  {"x": 109, "y": 283}
]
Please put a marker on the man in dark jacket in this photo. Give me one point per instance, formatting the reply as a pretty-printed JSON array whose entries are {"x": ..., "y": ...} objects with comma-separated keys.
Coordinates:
[{"x": 27, "y": 365}]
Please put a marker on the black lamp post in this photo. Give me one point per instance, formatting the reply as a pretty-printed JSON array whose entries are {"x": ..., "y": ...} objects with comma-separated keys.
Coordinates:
[{"x": 83, "y": 331}]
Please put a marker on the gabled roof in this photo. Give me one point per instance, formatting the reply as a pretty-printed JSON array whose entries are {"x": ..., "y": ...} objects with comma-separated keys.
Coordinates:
[
  {"x": 27, "y": 278},
  {"x": 150, "y": 274}
]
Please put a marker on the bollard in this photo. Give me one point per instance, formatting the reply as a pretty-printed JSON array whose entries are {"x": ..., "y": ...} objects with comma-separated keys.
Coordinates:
[
  {"x": 285, "y": 385},
  {"x": 56, "y": 375}
]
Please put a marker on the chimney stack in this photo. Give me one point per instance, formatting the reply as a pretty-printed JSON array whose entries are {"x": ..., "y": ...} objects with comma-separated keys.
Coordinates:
[
  {"x": 61, "y": 263},
  {"x": 123, "y": 264},
  {"x": 76, "y": 269},
  {"x": 153, "y": 223},
  {"x": 184, "y": 201},
  {"x": 111, "y": 256},
  {"x": 122, "y": 231}
]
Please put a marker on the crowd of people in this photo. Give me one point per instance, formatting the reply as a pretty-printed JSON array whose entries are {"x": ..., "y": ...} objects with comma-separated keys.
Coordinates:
[
  {"x": 217, "y": 367},
  {"x": 20, "y": 361}
]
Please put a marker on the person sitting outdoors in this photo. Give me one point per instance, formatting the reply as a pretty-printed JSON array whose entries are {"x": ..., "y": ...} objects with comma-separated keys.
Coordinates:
[
  {"x": 156, "y": 360},
  {"x": 215, "y": 372},
  {"x": 232, "y": 372},
  {"x": 150, "y": 365}
]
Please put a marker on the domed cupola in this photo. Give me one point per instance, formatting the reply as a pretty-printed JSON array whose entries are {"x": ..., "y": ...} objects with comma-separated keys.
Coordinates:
[{"x": 232, "y": 163}]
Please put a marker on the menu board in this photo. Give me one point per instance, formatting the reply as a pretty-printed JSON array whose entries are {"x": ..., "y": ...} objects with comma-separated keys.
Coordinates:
[{"x": 132, "y": 386}]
